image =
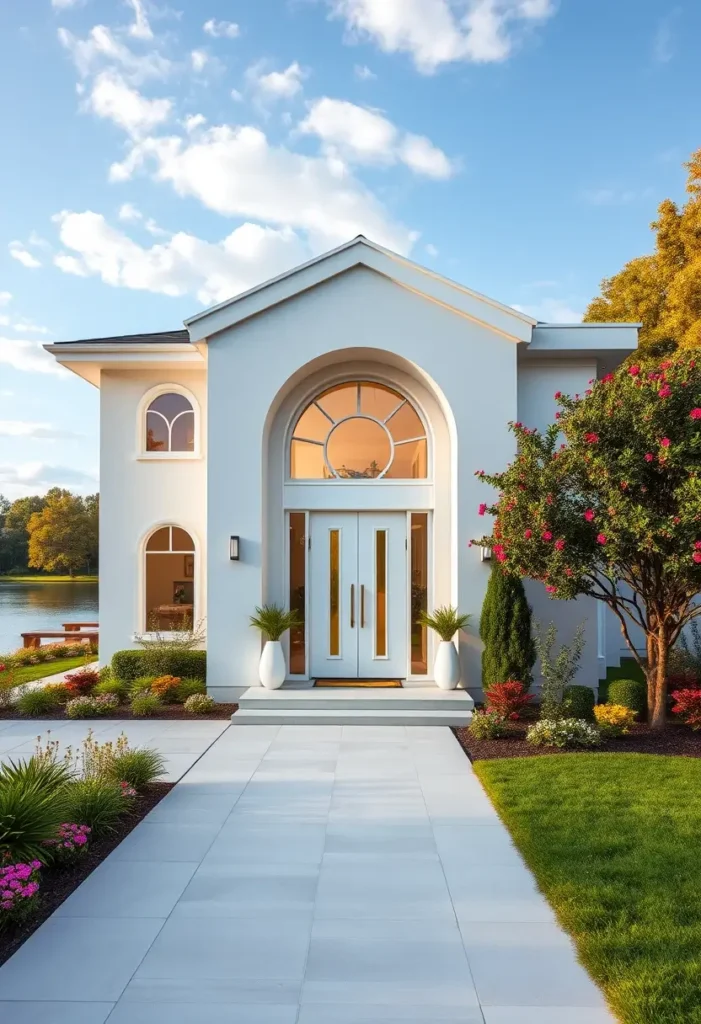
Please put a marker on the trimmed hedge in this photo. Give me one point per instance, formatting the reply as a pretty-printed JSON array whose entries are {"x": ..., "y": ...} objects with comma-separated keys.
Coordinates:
[
  {"x": 130, "y": 665},
  {"x": 631, "y": 693},
  {"x": 579, "y": 702}
]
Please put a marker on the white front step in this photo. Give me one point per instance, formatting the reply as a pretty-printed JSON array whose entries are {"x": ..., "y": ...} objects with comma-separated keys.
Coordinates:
[{"x": 357, "y": 716}]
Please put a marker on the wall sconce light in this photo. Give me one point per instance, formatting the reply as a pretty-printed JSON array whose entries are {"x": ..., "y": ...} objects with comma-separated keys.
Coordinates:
[
  {"x": 485, "y": 554},
  {"x": 234, "y": 549}
]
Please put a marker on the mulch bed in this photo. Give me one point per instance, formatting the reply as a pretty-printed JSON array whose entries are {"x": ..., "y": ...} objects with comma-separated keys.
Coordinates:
[
  {"x": 175, "y": 712},
  {"x": 675, "y": 740},
  {"x": 58, "y": 883}
]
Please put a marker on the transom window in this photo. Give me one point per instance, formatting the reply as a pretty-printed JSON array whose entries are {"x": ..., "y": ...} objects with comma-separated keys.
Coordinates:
[
  {"x": 170, "y": 424},
  {"x": 170, "y": 580},
  {"x": 359, "y": 431}
]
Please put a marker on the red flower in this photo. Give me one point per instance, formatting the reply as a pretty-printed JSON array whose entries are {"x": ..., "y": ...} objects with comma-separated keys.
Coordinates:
[
  {"x": 665, "y": 391},
  {"x": 649, "y": 457},
  {"x": 558, "y": 394},
  {"x": 546, "y": 535},
  {"x": 501, "y": 557},
  {"x": 606, "y": 377},
  {"x": 601, "y": 538},
  {"x": 482, "y": 509},
  {"x": 697, "y": 556},
  {"x": 589, "y": 514},
  {"x": 634, "y": 371},
  {"x": 695, "y": 414},
  {"x": 559, "y": 545},
  {"x": 697, "y": 545},
  {"x": 558, "y": 415},
  {"x": 551, "y": 589},
  {"x": 529, "y": 533},
  {"x": 591, "y": 438},
  {"x": 665, "y": 442}
]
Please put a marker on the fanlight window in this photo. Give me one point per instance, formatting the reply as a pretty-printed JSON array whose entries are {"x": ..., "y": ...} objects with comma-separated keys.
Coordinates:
[
  {"x": 359, "y": 431},
  {"x": 170, "y": 580},
  {"x": 170, "y": 424}
]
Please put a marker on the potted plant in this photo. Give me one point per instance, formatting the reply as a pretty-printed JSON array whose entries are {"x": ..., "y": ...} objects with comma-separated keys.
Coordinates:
[
  {"x": 273, "y": 621},
  {"x": 446, "y": 622}
]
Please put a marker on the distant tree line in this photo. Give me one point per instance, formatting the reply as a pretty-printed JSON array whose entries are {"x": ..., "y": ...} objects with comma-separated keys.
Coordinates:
[{"x": 56, "y": 532}]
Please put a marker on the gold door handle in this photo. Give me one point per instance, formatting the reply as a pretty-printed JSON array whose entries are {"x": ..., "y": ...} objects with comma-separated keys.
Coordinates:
[
  {"x": 352, "y": 606},
  {"x": 362, "y": 606}
]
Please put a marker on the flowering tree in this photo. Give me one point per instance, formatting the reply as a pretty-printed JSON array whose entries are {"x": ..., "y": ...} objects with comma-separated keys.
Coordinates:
[{"x": 610, "y": 495}]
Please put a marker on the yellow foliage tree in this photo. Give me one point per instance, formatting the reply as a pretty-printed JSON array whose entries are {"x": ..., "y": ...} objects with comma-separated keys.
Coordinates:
[
  {"x": 59, "y": 535},
  {"x": 662, "y": 291}
]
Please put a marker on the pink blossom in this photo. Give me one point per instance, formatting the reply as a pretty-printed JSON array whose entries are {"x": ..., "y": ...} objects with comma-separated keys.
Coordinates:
[
  {"x": 482, "y": 508},
  {"x": 529, "y": 533},
  {"x": 558, "y": 415},
  {"x": 665, "y": 442},
  {"x": 634, "y": 371},
  {"x": 589, "y": 514},
  {"x": 591, "y": 438},
  {"x": 559, "y": 544},
  {"x": 665, "y": 391},
  {"x": 546, "y": 535},
  {"x": 501, "y": 557},
  {"x": 697, "y": 545},
  {"x": 601, "y": 538},
  {"x": 697, "y": 556},
  {"x": 649, "y": 457},
  {"x": 551, "y": 589},
  {"x": 695, "y": 414},
  {"x": 607, "y": 377},
  {"x": 558, "y": 394}
]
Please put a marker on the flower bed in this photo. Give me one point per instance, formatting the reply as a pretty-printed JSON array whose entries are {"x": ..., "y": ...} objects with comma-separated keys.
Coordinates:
[{"x": 123, "y": 712}]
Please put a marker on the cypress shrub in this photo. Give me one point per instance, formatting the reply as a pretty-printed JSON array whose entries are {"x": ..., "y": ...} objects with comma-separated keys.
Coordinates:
[
  {"x": 631, "y": 693},
  {"x": 578, "y": 702},
  {"x": 505, "y": 630}
]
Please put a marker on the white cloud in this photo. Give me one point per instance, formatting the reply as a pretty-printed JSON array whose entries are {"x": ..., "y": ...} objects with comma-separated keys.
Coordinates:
[
  {"x": 437, "y": 32},
  {"x": 102, "y": 47},
  {"x": 29, "y": 477},
  {"x": 23, "y": 256},
  {"x": 140, "y": 29},
  {"x": 366, "y": 136},
  {"x": 5, "y": 297},
  {"x": 219, "y": 29},
  {"x": 194, "y": 121},
  {"x": 25, "y": 326},
  {"x": 127, "y": 211},
  {"x": 42, "y": 431},
  {"x": 237, "y": 172},
  {"x": 113, "y": 99},
  {"x": 182, "y": 265},
  {"x": 552, "y": 311},
  {"x": 363, "y": 73},
  {"x": 29, "y": 356},
  {"x": 276, "y": 84},
  {"x": 199, "y": 60},
  {"x": 431, "y": 250}
]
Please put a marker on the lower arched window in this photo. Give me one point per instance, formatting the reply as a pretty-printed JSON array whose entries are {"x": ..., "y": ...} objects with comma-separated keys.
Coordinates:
[{"x": 170, "y": 580}]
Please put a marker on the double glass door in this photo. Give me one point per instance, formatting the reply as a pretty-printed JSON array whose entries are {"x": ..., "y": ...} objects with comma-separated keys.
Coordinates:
[{"x": 358, "y": 595}]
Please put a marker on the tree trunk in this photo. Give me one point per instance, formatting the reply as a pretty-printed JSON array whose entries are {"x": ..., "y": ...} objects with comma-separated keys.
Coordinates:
[{"x": 657, "y": 658}]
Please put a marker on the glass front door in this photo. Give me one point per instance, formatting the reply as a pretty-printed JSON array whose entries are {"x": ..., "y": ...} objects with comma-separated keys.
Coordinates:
[{"x": 358, "y": 595}]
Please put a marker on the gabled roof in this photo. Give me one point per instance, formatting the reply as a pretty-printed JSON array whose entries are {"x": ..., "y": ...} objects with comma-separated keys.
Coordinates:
[{"x": 360, "y": 251}]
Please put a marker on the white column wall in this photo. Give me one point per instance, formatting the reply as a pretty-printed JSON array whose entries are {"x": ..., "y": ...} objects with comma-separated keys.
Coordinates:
[
  {"x": 136, "y": 495},
  {"x": 473, "y": 367}
]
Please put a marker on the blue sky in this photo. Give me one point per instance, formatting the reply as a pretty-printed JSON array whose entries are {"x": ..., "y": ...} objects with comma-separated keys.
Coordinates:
[{"x": 161, "y": 156}]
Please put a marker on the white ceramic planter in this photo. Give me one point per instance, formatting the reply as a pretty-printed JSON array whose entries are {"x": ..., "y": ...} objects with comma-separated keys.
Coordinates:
[
  {"x": 446, "y": 668},
  {"x": 272, "y": 669}
]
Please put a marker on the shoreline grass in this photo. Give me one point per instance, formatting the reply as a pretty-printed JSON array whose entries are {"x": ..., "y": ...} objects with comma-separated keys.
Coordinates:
[
  {"x": 48, "y": 579},
  {"x": 612, "y": 840}
]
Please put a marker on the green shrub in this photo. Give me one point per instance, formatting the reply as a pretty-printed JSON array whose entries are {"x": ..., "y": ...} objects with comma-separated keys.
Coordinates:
[
  {"x": 199, "y": 703},
  {"x": 37, "y": 703},
  {"x": 188, "y": 687},
  {"x": 631, "y": 693},
  {"x": 130, "y": 665},
  {"x": 45, "y": 772},
  {"x": 29, "y": 814},
  {"x": 96, "y": 802},
  {"x": 487, "y": 725},
  {"x": 137, "y": 767},
  {"x": 112, "y": 685},
  {"x": 142, "y": 684},
  {"x": 92, "y": 707},
  {"x": 578, "y": 702},
  {"x": 505, "y": 629},
  {"x": 144, "y": 704}
]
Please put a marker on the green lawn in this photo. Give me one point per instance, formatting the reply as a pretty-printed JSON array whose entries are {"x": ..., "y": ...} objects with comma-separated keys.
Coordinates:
[
  {"x": 48, "y": 579},
  {"x": 613, "y": 840},
  {"x": 29, "y": 673}
]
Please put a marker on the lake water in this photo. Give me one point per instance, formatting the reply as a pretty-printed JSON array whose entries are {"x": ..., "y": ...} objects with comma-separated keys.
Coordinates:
[{"x": 28, "y": 606}]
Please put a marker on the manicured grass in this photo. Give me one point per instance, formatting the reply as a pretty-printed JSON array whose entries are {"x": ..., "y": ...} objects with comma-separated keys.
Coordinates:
[
  {"x": 613, "y": 840},
  {"x": 48, "y": 579},
  {"x": 30, "y": 673}
]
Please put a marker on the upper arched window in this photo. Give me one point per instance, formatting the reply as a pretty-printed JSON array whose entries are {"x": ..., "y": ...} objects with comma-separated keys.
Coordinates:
[
  {"x": 170, "y": 424},
  {"x": 359, "y": 431}
]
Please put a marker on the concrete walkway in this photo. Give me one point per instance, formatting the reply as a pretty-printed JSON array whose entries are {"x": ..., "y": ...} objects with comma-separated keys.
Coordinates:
[{"x": 309, "y": 875}]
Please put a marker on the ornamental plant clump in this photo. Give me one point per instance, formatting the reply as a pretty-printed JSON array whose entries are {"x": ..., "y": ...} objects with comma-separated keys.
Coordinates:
[
  {"x": 199, "y": 703},
  {"x": 80, "y": 683},
  {"x": 19, "y": 888},
  {"x": 273, "y": 620},
  {"x": 166, "y": 688},
  {"x": 614, "y": 509},
  {"x": 505, "y": 630},
  {"x": 688, "y": 706},
  {"x": 446, "y": 621},
  {"x": 613, "y": 719},
  {"x": 488, "y": 725},
  {"x": 563, "y": 733},
  {"x": 70, "y": 843},
  {"x": 145, "y": 703},
  {"x": 507, "y": 699},
  {"x": 92, "y": 707}
]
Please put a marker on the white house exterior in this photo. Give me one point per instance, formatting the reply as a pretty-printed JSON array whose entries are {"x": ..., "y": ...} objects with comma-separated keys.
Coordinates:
[{"x": 332, "y": 420}]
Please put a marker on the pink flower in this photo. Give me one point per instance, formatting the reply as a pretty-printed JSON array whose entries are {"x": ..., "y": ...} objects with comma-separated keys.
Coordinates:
[
  {"x": 559, "y": 545},
  {"x": 697, "y": 556},
  {"x": 607, "y": 377},
  {"x": 501, "y": 557},
  {"x": 665, "y": 442},
  {"x": 664, "y": 392},
  {"x": 589, "y": 514},
  {"x": 697, "y": 545},
  {"x": 529, "y": 533},
  {"x": 558, "y": 394},
  {"x": 551, "y": 589},
  {"x": 558, "y": 415},
  {"x": 601, "y": 538},
  {"x": 634, "y": 371},
  {"x": 591, "y": 438},
  {"x": 649, "y": 457},
  {"x": 695, "y": 414},
  {"x": 482, "y": 509},
  {"x": 546, "y": 535}
]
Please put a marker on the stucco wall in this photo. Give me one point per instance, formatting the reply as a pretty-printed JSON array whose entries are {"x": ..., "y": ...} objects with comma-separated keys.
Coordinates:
[
  {"x": 474, "y": 368},
  {"x": 137, "y": 495}
]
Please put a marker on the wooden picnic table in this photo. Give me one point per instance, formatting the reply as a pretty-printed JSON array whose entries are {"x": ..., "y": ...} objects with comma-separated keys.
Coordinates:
[{"x": 33, "y": 639}]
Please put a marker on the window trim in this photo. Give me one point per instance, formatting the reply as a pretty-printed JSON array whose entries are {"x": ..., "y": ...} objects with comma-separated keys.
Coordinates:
[{"x": 146, "y": 399}]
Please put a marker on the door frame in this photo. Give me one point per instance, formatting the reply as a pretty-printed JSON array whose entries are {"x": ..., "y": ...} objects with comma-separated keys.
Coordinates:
[{"x": 408, "y": 676}]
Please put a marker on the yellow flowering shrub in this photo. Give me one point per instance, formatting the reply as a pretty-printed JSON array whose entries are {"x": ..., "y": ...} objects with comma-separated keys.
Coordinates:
[{"x": 614, "y": 719}]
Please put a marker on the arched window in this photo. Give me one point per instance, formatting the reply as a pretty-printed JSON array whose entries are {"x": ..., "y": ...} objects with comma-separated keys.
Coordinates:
[
  {"x": 359, "y": 431},
  {"x": 170, "y": 580},
  {"x": 170, "y": 424}
]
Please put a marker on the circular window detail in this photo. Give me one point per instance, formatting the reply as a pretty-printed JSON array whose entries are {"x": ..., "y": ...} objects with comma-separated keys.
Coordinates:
[{"x": 359, "y": 431}]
